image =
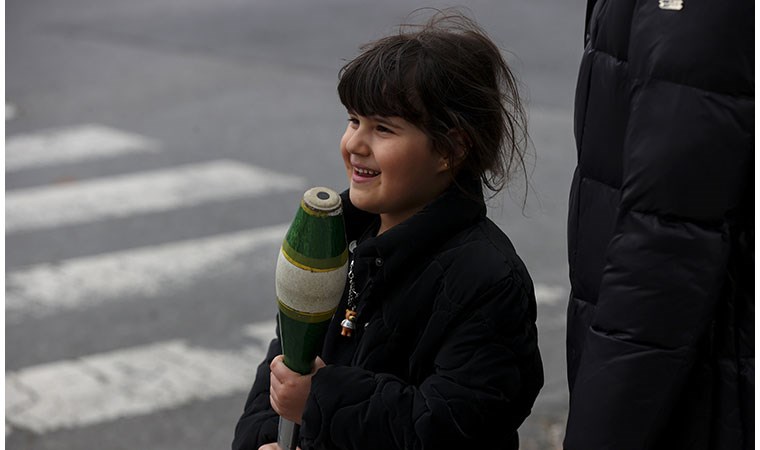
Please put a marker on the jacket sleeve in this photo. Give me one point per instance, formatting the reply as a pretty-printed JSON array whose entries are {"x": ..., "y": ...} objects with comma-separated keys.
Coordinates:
[
  {"x": 687, "y": 167},
  {"x": 487, "y": 374},
  {"x": 258, "y": 424}
]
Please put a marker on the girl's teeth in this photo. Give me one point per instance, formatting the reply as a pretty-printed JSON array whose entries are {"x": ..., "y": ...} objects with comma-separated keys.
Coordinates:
[{"x": 366, "y": 172}]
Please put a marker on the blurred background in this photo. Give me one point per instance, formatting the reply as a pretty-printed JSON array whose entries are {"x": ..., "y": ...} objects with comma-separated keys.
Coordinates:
[{"x": 156, "y": 151}]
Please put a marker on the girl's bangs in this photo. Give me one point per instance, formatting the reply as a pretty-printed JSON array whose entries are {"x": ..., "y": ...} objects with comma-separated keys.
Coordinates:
[{"x": 378, "y": 84}]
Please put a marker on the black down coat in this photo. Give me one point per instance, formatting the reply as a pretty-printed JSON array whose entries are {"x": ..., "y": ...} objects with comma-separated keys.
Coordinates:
[
  {"x": 660, "y": 338},
  {"x": 445, "y": 355}
]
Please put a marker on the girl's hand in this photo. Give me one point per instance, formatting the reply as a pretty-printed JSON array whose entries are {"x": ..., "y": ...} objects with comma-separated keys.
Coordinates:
[
  {"x": 289, "y": 390},
  {"x": 272, "y": 446}
]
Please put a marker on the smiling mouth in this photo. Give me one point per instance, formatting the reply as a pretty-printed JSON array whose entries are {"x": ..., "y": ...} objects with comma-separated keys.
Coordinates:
[{"x": 366, "y": 173}]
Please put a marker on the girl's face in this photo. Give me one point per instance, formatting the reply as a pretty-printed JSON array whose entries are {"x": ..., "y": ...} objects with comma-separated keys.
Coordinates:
[{"x": 392, "y": 167}]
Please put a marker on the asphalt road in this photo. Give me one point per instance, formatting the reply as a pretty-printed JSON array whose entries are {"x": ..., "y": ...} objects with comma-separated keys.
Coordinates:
[{"x": 154, "y": 151}]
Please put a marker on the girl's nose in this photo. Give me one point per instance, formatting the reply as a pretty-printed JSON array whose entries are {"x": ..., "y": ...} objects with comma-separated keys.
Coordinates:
[{"x": 356, "y": 142}]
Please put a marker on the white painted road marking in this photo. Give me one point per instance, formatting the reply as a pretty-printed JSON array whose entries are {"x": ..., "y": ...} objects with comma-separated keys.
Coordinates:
[
  {"x": 549, "y": 295},
  {"x": 92, "y": 280},
  {"x": 125, "y": 195},
  {"x": 10, "y": 111},
  {"x": 126, "y": 383},
  {"x": 73, "y": 144},
  {"x": 262, "y": 331}
]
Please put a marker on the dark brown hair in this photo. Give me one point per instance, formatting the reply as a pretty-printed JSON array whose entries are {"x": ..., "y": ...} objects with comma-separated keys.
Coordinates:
[{"x": 445, "y": 76}]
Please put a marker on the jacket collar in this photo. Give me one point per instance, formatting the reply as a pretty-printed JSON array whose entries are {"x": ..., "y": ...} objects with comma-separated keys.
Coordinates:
[{"x": 419, "y": 236}]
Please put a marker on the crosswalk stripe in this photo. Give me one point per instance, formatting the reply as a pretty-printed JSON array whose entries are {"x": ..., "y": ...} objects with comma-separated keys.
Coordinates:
[
  {"x": 549, "y": 294},
  {"x": 129, "y": 382},
  {"x": 125, "y": 195},
  {"x": 10, "y": 111},
  {"x": 88, "y": 281},
  {"x": 43, "y": 289},
  {"x": 126, "y": 383},
  {"x": 89, "y": 141}
]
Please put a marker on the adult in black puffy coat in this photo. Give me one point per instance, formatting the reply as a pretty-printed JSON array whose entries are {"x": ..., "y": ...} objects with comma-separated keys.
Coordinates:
[{"x": 660, "y": 339}]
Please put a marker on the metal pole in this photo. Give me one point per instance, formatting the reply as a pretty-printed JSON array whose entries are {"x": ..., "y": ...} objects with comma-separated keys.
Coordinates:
[{"x": 287, "y": 434}]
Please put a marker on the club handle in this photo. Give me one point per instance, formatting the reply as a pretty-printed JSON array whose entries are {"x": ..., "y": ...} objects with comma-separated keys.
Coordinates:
[{"x": 287, "y": 434}]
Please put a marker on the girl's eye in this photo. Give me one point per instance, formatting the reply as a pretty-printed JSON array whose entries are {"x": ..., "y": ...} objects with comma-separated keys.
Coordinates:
[{"x": 383, "y": 129}]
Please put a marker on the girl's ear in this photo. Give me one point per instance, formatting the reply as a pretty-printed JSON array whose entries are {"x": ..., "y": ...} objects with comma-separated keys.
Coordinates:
[
  {"x": 443, "y": 163},
  {"x": 461, "y": 144}
]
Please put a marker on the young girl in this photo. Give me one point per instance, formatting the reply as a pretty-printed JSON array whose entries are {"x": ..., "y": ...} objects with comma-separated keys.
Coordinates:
[{"x": 444, "y": 351}]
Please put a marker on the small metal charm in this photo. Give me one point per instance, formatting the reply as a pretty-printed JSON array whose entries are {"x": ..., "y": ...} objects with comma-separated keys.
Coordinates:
[
  {"x": 671, "y": 5},
  {"x": 349, "y": 323}
]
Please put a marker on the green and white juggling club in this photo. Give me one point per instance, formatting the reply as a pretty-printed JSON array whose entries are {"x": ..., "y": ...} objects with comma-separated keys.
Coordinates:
[{"x": 310, "y": 277}]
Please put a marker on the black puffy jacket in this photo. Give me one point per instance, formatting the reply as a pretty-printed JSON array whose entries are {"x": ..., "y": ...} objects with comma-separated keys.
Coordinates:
[
  {"x": 446, "y": 353},
  {"x": 660, "y": 339}
]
